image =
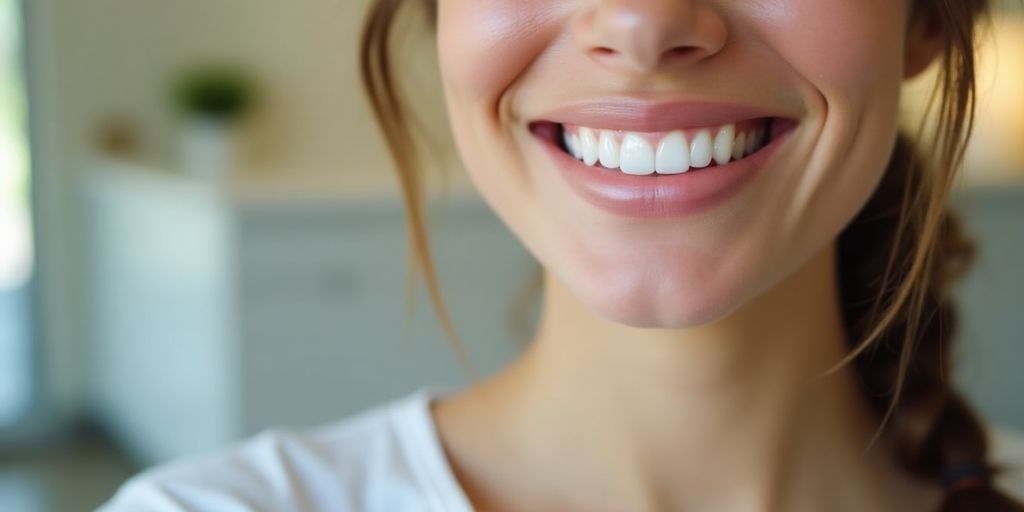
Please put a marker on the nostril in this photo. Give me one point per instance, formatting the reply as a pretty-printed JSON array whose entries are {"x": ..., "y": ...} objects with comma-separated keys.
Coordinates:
[
  {"x": 673, "y": 55},
  {"x": 681, "y": 51}
]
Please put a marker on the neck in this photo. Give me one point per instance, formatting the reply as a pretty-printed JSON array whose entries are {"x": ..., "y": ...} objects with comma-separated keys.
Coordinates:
[
  {"x": 739, "y": 395},
  {"x": 731, "y": 415}
]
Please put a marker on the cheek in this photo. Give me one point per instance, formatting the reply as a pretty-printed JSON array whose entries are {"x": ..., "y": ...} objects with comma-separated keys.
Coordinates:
[
  {"x": 485, "y": 47},
  {"x": 485, "y": 44},
  {"x": 850, "y": 57},
  {"x": 843, "y": 47}
]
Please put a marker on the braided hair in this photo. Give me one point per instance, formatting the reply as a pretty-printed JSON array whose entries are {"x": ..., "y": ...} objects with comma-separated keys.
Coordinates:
[
  {"x": 937, "y": 435},
  {"x": 897, "y": 261}
]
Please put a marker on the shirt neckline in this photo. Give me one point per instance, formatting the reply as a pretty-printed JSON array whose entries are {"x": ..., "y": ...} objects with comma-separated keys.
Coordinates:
[
  {"x": 424, "y": 449},
  {"x": 417, "y": 431}
]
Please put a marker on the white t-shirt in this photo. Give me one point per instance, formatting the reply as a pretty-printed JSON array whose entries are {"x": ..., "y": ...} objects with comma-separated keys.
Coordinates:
[{"x": 385, "y": 459}]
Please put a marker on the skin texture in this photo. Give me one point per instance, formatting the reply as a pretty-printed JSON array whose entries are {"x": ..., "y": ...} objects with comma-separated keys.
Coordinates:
[{"x": 674, "y": 365}]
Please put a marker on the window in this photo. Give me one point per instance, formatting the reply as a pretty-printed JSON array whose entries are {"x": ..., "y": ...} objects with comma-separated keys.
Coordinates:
[{"x": 15, "y": 224}]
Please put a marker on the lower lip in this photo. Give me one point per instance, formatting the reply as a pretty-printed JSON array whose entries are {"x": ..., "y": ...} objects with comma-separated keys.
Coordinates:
[{"x": 660, "y": 196}]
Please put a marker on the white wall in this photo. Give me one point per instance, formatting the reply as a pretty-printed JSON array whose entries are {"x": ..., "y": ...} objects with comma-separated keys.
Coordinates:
[
  {"x": 118, "y": 57},
  {"x": 57, "y": 327},
  {"x": 94, "y": 59}
]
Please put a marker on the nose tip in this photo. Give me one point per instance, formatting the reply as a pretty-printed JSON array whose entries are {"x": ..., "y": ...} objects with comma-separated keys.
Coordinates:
[{"x": 643, "y": 35}]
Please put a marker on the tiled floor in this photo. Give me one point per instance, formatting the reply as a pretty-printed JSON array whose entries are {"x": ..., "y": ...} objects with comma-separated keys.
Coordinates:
[{"x": 70, "y": 476}]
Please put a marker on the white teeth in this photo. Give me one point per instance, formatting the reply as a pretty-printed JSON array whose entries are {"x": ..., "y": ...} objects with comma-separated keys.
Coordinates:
[
  {"x": 588, "y": 146},
  {"x": 608, "y": 150},
  {"x": 752, "y": 142},
  {"x": 739, "y": 147},
  {"x": 700, "y": 149},
  {"x": 572, "y": 145},
  {"x": 723, "y": 144},
  {"x": 673, "y": 155},
  {"x": 637, "y": 156}
]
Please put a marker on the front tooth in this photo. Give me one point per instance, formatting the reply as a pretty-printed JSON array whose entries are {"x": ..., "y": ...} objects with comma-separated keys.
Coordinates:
[
  {"x": 588, "y": 146},
  {"x": 574, "y": 146},
  {"x": 700, "y": 149},
  {"x": 673, "y": 155},
  {"x": 723, "y": 144},
  {"x": 608, "y": 150},
  {"x": 739, "y": 147},
  {"x": 637, "y": 156}
]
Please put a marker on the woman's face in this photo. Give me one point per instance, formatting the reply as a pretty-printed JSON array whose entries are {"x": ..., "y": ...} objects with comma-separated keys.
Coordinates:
[{"x": 577, "y": 118}]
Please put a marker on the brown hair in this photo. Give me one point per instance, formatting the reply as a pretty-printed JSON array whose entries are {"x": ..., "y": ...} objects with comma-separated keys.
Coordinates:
[{"x": 897, "y": 260}]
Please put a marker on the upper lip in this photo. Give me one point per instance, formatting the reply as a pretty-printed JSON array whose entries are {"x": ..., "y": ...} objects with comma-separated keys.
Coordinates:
[{"x": 641, "y": 115}]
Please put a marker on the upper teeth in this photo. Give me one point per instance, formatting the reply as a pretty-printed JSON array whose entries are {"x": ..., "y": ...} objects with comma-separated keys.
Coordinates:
[{"x": 666, "y": 153}]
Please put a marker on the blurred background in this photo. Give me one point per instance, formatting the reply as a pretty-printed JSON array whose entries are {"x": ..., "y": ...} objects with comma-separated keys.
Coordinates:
[{"x": 201, "y": 237}]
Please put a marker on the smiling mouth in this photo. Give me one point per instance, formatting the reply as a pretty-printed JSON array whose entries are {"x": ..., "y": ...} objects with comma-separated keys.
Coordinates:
[{"x": 660, "y": 153}]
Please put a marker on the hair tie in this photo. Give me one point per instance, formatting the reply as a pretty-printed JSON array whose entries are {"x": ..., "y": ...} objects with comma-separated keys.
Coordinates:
[{"x": 964, "y": 476}]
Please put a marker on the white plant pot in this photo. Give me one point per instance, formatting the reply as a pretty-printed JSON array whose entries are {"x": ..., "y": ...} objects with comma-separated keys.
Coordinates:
[{"x": 209, "y": 148}]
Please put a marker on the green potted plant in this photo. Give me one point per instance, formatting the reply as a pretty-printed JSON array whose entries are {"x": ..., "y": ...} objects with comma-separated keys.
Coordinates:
[{"x": 213, "y": 100}]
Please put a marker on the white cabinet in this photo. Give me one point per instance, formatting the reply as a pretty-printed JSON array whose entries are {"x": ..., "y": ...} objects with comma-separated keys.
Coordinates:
[{"x": 215, "y": 314}]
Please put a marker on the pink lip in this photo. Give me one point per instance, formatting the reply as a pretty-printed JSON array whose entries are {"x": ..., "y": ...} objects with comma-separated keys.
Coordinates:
[
  {"x": 639, "y": 115},
  {"x": 662, "y": 196}
]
